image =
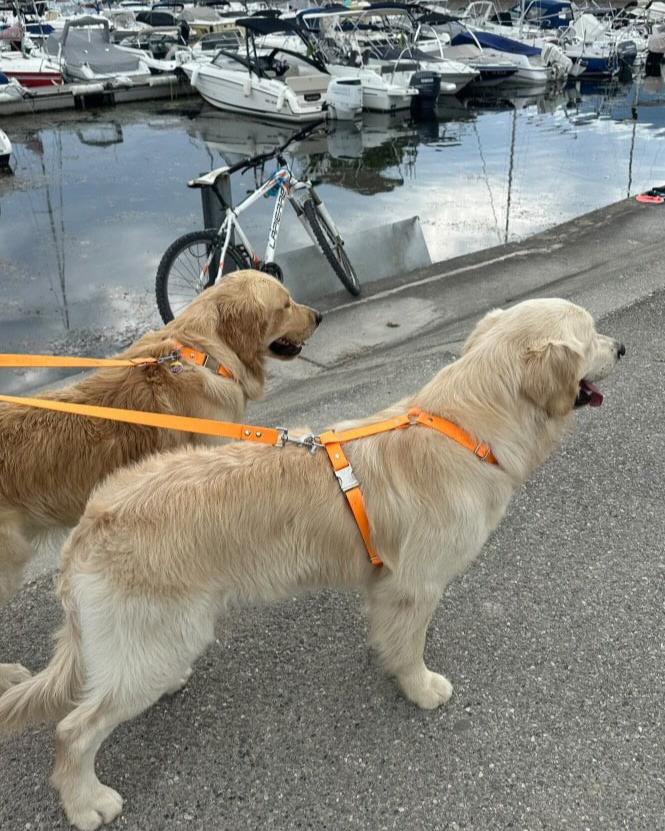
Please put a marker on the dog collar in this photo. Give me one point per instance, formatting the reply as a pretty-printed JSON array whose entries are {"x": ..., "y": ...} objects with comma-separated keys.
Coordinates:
[{"x": 203, "y": 359}]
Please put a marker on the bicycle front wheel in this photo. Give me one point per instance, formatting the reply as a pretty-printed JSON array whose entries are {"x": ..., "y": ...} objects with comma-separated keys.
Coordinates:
[
  {"x": 179, "y": 276},
  {"x": 332, "y": 247}
]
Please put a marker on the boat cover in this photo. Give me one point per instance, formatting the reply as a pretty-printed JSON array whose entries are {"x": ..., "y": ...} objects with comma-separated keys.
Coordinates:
[
  {"x": 90, "y": 44},
  {"x": 547, "y": 14},
  {"x": 267, "y": 25},
  {"x": 490, "y": 41}
]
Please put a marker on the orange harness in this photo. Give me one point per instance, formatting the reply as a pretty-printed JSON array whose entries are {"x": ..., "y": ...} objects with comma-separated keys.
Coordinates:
[{"x": 331, "y": 441}]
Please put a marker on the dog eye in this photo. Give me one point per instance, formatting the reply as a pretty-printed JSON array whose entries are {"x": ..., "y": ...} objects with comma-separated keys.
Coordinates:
[{"x": 288, "y": 304}]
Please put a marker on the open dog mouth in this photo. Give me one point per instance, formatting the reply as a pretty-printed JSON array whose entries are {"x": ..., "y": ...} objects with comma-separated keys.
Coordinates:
[
  {"x": 588, "y": 394},
  {"x": 285, "y": 348}
]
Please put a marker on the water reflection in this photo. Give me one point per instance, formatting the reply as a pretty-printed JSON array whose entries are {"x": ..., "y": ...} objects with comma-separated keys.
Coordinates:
[
  {"x": 100, "y": 134},
  {"x": 97, "y": 197}
]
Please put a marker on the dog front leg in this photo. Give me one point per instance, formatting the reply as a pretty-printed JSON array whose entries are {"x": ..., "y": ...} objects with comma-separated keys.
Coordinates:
[
  {"x": 398, "y": 621},
  {"x": 15, "y": 551}
]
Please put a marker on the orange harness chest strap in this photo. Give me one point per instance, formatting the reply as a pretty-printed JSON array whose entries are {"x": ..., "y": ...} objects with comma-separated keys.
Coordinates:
[
  {"x": 332, "y": 442},
  {"x": 351, "y": 489}
]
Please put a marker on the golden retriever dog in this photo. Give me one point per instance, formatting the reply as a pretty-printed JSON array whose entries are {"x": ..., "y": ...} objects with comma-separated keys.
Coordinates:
[
  {"x": 167, "y": 545},
  {"x": 50, "y": 462}
]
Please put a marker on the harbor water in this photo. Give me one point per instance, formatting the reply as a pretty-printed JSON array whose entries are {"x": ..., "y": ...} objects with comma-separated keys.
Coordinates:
[{"x": 96, "y": 197}]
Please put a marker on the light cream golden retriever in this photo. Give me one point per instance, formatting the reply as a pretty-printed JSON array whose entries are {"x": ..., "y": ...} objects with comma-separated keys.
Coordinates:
[
  {"x": 165, "y": 546},
  {"x": 50, "y": 462}
]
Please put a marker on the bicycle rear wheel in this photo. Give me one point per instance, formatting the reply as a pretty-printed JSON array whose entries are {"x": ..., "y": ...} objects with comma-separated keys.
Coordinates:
[
  {"x": 332, "y": 246},
  {"x": 179, "y": 273}
]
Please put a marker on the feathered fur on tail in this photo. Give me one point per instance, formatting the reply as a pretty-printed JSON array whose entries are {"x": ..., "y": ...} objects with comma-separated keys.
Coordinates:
[{"x": 51, "y": 693}]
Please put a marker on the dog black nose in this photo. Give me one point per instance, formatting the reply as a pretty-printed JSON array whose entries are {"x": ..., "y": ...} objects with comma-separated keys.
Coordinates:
[
  {"x": 318, "y": 317},
  {"x": 621, "y": 350}
]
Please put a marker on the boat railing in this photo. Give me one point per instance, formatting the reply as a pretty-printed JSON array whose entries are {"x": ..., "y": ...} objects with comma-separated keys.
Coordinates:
[{"x": 426, "y": 26}]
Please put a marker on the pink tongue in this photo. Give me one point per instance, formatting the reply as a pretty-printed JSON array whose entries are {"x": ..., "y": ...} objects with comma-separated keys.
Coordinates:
[{"x": 596, "y": 398}]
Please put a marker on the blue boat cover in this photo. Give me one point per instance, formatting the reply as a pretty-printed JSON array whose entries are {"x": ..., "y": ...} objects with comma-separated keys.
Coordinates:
[
  {"x": 39, "y": 29},
  {"x": 547, "y": 14},
  {"x": 489, "y": 41}
]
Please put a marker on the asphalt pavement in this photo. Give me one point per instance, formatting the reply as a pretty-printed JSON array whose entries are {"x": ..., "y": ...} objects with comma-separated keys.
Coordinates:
[{"x": 553, "y": 640}]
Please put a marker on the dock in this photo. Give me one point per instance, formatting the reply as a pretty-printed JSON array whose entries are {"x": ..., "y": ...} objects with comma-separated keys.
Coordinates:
[{"x": 82, "y": 96}]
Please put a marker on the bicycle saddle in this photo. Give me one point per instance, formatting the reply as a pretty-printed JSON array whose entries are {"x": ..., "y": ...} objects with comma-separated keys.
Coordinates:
[{"x": 208, "y": 179}]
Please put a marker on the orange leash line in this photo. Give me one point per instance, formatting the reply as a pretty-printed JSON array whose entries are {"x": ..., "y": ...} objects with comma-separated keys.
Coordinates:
[
  {"x": 8, "y": 360},
  {"x": 186, "y": 424},
  {"x": 194, "y": 356}
]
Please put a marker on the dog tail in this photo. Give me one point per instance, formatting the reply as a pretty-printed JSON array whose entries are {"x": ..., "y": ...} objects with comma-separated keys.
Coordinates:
[{"x": 50, "y": 694}]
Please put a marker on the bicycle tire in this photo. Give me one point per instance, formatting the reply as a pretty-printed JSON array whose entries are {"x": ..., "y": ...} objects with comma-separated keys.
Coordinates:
[
  {"x": 164, "y": 283},
  {"x": 331, "y": 247}
]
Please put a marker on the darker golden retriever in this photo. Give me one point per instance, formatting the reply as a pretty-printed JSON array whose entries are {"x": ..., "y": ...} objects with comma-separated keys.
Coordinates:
[{"x": 50, "y": 462}]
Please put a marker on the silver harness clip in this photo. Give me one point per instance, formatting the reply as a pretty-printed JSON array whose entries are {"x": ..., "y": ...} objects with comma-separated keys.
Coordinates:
[
  {"x": 309, "y": 440},
  {"x": 346, "y": 479}
]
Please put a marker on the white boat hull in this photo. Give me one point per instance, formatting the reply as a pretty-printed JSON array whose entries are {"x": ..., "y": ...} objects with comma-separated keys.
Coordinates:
[
  {"x": 241, "y": 92},
  {"x": 5, "y": 149},
  {"x": 377, "y": 95}
]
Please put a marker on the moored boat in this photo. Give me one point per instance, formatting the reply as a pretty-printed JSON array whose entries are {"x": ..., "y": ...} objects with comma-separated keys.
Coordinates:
[
  {"x": 280, "y": 85},
  {"x": 83, "y": 51}
]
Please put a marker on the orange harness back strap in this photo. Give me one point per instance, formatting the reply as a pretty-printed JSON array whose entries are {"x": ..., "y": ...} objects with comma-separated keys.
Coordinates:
[{"x": 332, "y": 442}]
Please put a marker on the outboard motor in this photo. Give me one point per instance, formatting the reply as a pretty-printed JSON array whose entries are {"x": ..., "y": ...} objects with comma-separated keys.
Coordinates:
[
  {"x": 626, "y": 53},
  {"x": 428, "y": 85},
  {"x": 345, "y": 99}
]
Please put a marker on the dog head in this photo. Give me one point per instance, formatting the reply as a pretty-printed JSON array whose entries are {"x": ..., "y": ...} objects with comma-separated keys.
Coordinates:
[
  {"x": 552, "y": 352},
  {"x": 254, "y": 315}
]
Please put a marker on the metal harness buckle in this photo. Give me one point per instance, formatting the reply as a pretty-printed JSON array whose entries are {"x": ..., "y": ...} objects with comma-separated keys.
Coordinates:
[
  {"x": 210, "y": 363},
  {"x": 482, "y": 451},
  {"x": 346, "y": 479}
]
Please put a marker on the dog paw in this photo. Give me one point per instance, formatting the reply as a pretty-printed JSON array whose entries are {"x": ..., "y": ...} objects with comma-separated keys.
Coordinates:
[
  {"x": 428, "y": 690},
  {"x": 97, "y": 807},
  {"x": 11, "y": 674},
  {"x": 179, "y": 684}
]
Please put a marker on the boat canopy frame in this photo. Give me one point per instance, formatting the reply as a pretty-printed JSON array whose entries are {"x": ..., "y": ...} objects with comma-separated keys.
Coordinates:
[{"x": 253, "y": 62}]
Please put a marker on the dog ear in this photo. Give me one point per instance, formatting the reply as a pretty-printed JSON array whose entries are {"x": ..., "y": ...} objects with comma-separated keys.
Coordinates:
[
  {"x": 552, "y": 373},
  {"x": 482, "y": 327},
  {"x": 243, "y": 325}
]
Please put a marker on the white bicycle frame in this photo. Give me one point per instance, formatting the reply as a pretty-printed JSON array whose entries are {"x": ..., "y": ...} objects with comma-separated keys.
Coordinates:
[{"x": 287, "y": 184}]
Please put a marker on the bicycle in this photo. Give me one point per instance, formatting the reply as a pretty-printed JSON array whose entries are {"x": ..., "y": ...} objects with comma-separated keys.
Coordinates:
[{"x": 197, "y": 260}]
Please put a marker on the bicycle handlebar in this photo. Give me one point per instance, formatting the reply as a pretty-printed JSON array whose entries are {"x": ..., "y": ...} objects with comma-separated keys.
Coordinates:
[{"x": 255, "y": 161}]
